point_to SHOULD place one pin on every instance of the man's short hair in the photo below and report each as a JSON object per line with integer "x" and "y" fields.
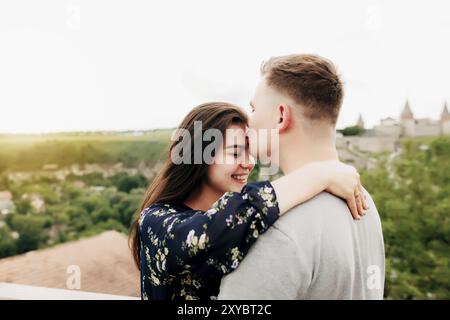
{"x": 310, "y": 80}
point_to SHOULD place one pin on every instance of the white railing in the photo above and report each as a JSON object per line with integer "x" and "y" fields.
{"x": 10, "y": 291}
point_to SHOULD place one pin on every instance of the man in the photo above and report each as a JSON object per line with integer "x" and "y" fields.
{"x": 319, "y": 252}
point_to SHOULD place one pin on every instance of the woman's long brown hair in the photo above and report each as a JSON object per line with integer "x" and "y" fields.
{"x": 176, "y": 182}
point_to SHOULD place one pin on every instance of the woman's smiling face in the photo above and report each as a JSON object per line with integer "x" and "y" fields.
{"x": 232, "y": 162}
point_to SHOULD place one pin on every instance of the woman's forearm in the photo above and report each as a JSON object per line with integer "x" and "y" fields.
{"x": 299, "y": 186}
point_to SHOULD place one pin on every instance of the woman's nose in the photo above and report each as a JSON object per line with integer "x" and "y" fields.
{"x": 248, "y": 163}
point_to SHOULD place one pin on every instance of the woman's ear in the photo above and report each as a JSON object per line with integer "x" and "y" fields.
{"x": 285, "y": 117}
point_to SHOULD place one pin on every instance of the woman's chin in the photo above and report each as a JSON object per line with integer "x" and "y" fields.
{"x": 237, "y": 186}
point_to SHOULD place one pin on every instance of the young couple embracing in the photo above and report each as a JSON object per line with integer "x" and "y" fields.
{"x": 204, "y": 232}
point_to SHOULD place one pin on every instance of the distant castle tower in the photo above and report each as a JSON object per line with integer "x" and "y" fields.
{"x": 445, "y": 120}
{"x": 360, "y": 122}
{"x": 406, "y": 113}
{"x": 445, "y": 114}
{"x": 407, "y": 120}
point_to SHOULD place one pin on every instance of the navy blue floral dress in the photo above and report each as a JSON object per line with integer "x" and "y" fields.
{"x": 186, "y": 252}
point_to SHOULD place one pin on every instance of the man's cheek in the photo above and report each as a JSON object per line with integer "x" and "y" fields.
{"x": 257, "y": 122}
{"x": 251, "y": 122}
{"x": 252, "y": 147}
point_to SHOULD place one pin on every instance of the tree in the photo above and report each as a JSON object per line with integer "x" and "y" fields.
{"x": 4, "y": 181}
{"x": 31, "y": 232}
{"x": 103, "y": 214}
{"x": 7, "y": 242}
{"x": 412, "y": 197}
{"x": 127, "y": 208}
{"x": 126, "y": 183}
{"x": 352, "y": 131}
{"x": 23, "y": 206}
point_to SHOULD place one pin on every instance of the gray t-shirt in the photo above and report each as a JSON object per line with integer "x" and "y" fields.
{"x": 315, "y": 251}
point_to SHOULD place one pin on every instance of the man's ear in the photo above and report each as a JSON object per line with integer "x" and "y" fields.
{"x": 285, "y": 117}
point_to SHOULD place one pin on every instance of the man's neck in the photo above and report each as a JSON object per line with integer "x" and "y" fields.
{"x": 295, "y": 153}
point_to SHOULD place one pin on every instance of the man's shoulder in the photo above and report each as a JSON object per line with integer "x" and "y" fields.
{"x": 324, "y": 214}
{"x": 319, "y": 202}
{"x": 313, "y": 213}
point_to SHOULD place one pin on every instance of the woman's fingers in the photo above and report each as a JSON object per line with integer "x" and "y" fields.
{"x": 359, "y": 203}
{"x": 359, "y": 194}
{"x": 363, "y": 197}
{"x": 351, "y": 202}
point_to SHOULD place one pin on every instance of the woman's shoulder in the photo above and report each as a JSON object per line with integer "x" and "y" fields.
{"x": 161, "y": 214}
{"x": 164, "y": 209}
{"x": 155, "y": 212}
{"x": 159, "y": 209}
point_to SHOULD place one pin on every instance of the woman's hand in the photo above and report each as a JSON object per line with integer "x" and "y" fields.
{"x": 344, "y": 182}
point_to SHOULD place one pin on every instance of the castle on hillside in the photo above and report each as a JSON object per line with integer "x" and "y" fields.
{"x": 386, "y": 136}
{"x": 409, "y": 126}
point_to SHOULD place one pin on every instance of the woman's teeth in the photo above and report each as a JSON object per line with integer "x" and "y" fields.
{"x": 241, "y": 178}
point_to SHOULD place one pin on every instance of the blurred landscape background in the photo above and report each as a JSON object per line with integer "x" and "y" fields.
{"x": 61, "y": 187}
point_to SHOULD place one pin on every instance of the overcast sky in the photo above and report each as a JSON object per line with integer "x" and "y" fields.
{"x": 117, "y": 65}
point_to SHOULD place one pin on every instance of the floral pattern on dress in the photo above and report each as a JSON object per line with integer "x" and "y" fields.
{"x": 184, "y": 253}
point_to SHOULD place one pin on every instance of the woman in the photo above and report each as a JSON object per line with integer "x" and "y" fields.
{"x": 198, "y": 221}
